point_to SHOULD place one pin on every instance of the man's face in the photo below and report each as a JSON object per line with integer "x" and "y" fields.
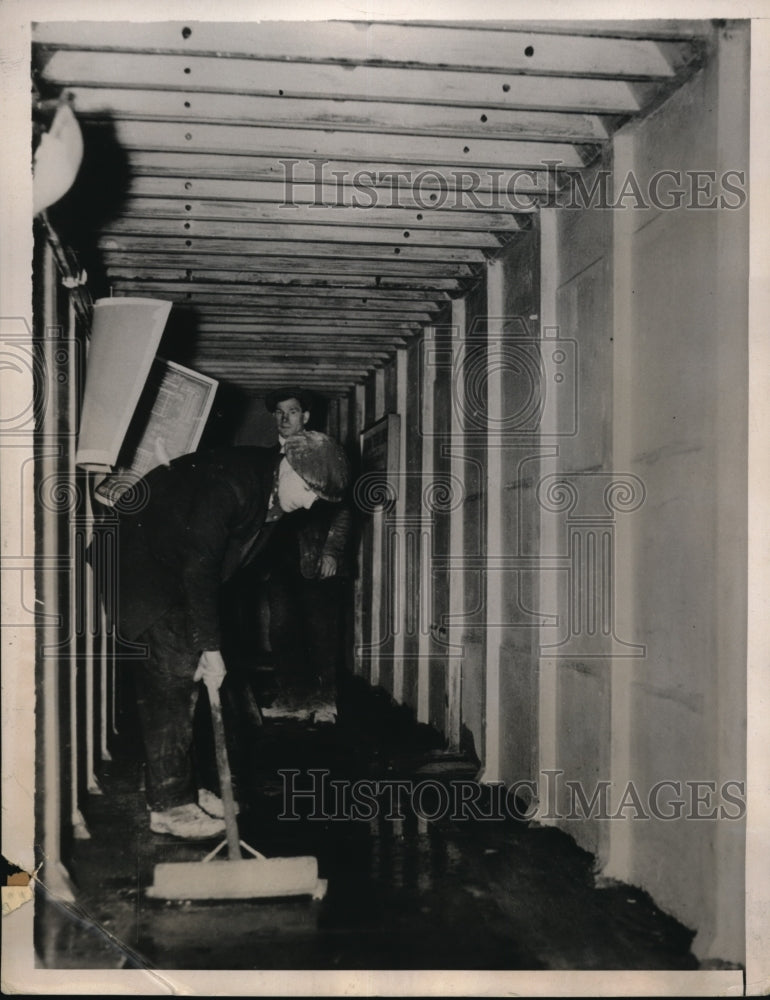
{"x": 290, "y": 417}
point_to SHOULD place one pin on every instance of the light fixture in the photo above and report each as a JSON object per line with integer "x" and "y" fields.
{"x": 57, "y": 159}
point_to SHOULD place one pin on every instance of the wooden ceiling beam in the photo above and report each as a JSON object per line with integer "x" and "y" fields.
{"x": 340, "y": 304}
{"x": 233, "y": 360}
{"x": 268, "y": 379}
{"x": 272, "y": 375}
{"x": 260, "y": 256}
{"x": 406, "y": 311}
{"x": 357, "y": 316}
{"x": 516, "y": 50}
{"x": 232, "y": 357}
{"x": 222, "y": 279}
{"x": 235, "y": 140}
{"x": 258, "y": 387}
{"x": 332, "y": 215}
{"x": 250, "y": 367}
{"x": 293, "y": 351}
{"x": 349, "y": 116}
{"x": 262, "y": 250}
{"x": 354, "y": 361}
{"x": 340, "y": 389}
{"x": 282, "y": 341}
{"x": 168, "y": 229}
{"x": 418, "y": 191}
{"x": 205, "y": 290}
{"x": 442, "y": 86}
{"x": 395, "y": 334}
{"x": 232, "y": 320}
{"x": 663, "y": 29}
{"x": 277, "y": 371}
{"x": 464, "y": 185}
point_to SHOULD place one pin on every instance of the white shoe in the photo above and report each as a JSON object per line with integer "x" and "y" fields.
{"x": 286, "y": 708}
{"x": 324, "y": 714}
{"x": 277, "y": 712}
{"x": 188, "y": 821}
{"x": 212, "y": 804}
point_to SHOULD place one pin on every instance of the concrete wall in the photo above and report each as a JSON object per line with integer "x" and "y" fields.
{"x": 663, "y": 384}
{"x": 632, "y": 494}
{"x": 685, "y": 436}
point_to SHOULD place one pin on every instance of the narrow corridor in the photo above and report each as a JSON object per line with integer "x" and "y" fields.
{"x": 402, "y": 893}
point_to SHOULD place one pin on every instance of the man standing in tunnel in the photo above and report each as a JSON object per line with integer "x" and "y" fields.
{"x": 183, "y": 531}
{"x": 309, "y": 562}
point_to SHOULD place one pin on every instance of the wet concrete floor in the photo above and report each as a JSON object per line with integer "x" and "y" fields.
{"x": 403, "y": 892}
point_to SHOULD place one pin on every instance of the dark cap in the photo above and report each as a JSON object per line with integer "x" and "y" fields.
{"x": 272, "y": 399}
{"x": 320, "y": 461}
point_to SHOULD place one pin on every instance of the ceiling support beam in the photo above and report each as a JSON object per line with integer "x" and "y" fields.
{"x": 283, "y": 247}
{"x": 375, "y": 117}
{"x": 234, "y": 140}
{"x": 365, "y": 214}
{"x": 354, "y": 186}
{"x": 267, "y": 263}
{"x": 342, "y": 284}
{"x": 288, "y": 232}
{"x": 513, "y": 51}
{"x": 203, "y": 292}
{"x": 442, "y": 86}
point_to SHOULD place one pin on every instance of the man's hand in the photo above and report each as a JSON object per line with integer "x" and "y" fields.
{"x": 211, "y": 669}
{"x": 328, "y": 566}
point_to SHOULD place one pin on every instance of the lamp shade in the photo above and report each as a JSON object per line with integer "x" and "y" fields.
{"x": 57, "y": 159}
{"x": 125, "y": 334}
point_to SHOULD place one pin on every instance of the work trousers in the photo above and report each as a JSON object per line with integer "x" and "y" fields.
{"x": 305, "y": 618}
{"x": 166, "y": 699}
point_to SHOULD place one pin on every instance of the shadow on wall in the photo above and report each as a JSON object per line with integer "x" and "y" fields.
{"x": 96, "y": 197}
{"x": 231, "y": 403}
{"x": 226, "y": 418}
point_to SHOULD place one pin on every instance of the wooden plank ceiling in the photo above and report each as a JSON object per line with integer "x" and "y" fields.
{"x": 310, "y": 194}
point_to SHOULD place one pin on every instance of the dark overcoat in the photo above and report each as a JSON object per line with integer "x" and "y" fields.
{"x": 195, "y": 522}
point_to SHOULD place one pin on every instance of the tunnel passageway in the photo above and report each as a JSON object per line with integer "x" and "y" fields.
{"x": 403, "y": 892}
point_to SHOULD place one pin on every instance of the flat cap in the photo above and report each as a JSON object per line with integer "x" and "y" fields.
{"x": 272, "y": 399}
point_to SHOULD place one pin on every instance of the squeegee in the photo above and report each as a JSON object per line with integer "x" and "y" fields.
{"x": 237, "y": 877}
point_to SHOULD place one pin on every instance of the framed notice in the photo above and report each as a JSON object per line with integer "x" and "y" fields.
{"x": 168, "y": 422}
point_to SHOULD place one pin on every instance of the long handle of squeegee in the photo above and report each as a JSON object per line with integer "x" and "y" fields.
{"x": 225, "y": 776}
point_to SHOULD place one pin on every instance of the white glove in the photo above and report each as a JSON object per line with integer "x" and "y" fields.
{"x": 211, "y": 669}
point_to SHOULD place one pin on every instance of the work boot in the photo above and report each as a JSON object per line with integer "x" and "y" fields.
{"x": 188, "y": 821}
{"x": 212, "y": 804}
